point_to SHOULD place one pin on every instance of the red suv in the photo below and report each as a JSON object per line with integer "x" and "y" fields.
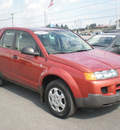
{"x": 66, "y": 71}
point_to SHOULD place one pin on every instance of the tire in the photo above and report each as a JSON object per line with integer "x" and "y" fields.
{"x": 59, "y": 99}
{"x": 1, "y": 82}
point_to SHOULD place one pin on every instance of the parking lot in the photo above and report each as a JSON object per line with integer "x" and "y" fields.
{"x": 86, "y": 37}
{"x": 20, "y": 109}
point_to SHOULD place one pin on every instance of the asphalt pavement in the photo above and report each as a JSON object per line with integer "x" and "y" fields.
{"x": 21, "y": 109}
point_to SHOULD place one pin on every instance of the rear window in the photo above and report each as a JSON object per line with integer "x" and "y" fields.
{"x": 102, "y": 40}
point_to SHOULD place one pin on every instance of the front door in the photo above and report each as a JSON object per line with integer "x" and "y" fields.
{"x": 26, "y": 68}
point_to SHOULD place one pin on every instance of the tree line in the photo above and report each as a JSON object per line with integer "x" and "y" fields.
{"x": 58, "y": 26}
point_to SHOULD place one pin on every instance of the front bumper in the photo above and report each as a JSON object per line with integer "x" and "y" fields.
{"x": 97, "y": 101}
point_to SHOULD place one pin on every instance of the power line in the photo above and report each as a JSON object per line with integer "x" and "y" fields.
{"x": 81, "y": 14}
{"x": 90, "y": 19}
{"x": 66, "y": 11}
{"x": 65, "y": 18}
{"x": 78, "y": 15}
{"x": 5, "y": 19}
{"x": 68, "y": 17}
{"x": 31, "y": 23}
{"x": 81, "y": 7}
{"x": 74, "y": 20}
{"x": 71, "y": 9}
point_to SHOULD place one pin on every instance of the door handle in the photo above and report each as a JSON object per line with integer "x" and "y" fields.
{"x": 14, "y": 57}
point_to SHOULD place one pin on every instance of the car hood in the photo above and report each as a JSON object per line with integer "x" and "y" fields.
{"x": 89, "y": 61}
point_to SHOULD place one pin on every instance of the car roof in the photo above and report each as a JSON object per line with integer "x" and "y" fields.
{"x": 33, "y": 29}
{"x": 43, "y": 29}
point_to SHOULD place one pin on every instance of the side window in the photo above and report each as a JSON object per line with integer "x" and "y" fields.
{"x": 117, "y": 42}
{"x": 24, "y": 39}
{"x": 0, "y": 41}
{"x": 7, "y": 39}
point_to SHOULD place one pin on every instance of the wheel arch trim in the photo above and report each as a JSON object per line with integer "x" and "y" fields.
{"x": 65, "y": 76}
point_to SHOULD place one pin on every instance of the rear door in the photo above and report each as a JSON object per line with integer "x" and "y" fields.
{"x": 26, "y": 68}
{"x": 6, "y": 46}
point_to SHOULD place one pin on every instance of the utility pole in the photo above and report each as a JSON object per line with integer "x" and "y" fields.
{"x": 45, "y": 18}
{"x": 12, "y": 19}
{"x": 117, "y": 15}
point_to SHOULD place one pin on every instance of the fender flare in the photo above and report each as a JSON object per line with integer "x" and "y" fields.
{"x": 65, "y": 76}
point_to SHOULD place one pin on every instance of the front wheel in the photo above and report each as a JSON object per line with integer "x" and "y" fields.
{"x": 59, "y": 99}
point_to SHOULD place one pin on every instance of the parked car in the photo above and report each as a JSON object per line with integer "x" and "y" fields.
{"x": 107, "y": 41}
{"x": 66, "y": 71}
{"x": 114, "y": 31}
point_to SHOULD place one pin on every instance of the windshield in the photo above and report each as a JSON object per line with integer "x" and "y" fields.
{"x": 61, "y": 41}
{"x": 101, "y": 40}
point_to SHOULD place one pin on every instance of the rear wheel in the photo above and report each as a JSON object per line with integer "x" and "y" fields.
{"x": 59, "y": 99}
{"x": 1, "y": 82}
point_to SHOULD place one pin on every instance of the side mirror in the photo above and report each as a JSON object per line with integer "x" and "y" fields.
{"x": 29, "y": 51}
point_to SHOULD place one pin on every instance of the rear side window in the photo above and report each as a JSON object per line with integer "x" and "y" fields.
{"x": 7, "y": 39}
{"x": 0, "y": 42}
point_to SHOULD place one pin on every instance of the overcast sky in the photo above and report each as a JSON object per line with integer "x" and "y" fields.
{"x": 74, "y": 13}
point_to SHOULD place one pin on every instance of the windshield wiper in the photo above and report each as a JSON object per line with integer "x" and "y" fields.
{"x": 60, "y": 52}
{"x": 70, "y": 52}
{"x": 98, "y": 45}
{"x": 81, "y": 50}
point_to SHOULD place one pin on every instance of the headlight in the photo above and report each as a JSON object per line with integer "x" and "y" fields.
{"x": 101, "y": 75}
{"x": 106, "y": 74}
